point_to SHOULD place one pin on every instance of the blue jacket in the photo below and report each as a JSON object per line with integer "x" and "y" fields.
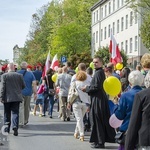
{"x": 123, "y": 110}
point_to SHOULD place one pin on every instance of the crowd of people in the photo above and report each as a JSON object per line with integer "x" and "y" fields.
{"x": 92, "y": 107}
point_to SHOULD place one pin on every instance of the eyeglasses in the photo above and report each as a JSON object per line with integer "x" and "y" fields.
{"x": 95, "y": 62}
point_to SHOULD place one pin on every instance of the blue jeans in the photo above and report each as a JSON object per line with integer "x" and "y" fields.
{"x": 51, "y": 104}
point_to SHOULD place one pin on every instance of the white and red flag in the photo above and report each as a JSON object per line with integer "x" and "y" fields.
{"x": 47, "y": 65}
{"x": 114, "y": 51}
{"x": 55, "y": 63}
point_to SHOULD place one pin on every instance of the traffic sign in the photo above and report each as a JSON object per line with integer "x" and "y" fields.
{"x": 63, "y": 59}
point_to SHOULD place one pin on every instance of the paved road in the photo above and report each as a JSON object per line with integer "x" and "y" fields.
{"x": 43, "y": 133}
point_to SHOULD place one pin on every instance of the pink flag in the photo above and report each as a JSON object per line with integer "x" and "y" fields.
{"x": 114, "y": 51}
{"x": 55, "y": 62}
{"x": 47, "y": 65}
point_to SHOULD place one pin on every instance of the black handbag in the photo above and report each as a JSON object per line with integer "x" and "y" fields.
{"x": 51, "y": 92}
{"x": 120, "y": 137}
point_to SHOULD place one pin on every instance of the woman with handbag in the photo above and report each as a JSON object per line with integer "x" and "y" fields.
{"x": 49, "y": 92}
{"x": 124, "y": 108}
{"x": 80, "y": 104}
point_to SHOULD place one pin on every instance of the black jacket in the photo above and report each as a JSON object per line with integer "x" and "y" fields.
{"x": 139, "y": 126}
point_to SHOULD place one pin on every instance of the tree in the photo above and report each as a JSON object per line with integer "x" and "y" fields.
{"x": 104, "y": 53}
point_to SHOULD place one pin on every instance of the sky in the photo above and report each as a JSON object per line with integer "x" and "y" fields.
{"x": 15, "y": 20}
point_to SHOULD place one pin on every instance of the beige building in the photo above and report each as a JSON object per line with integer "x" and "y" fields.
{"x": 16, "y": 53}
{"x": 115, "y": 16}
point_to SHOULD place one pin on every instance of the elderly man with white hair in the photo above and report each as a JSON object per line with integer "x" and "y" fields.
{"x": 29, "y": 89}
{"x": 124, "y": 108}
{"x": 12, "y": 84}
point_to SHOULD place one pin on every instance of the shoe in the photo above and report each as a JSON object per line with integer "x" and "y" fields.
{"x": 43, "y": 115}
{"x": 68, "y": 118}
{"x": 26, "y": 123}
{"x": 34, "y": 114}
{"x": 7, "y": 129}
{"x": 76, "y": 135}
{"x": 50, "y": 116}
{"x": 81, "y": 138}
{"x": 40, "y": 115}
{"x": 96, "y": 145}
{"x": 15, "y": 131}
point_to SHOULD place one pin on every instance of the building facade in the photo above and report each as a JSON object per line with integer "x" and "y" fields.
{"x": 115, "y": 17}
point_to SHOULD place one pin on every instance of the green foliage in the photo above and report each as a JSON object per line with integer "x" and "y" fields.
{"x": 104, "y": 53}
{"x": 62, "y": 28}
{"x": 82, "y": 57}
{"x": 143, "y": 8}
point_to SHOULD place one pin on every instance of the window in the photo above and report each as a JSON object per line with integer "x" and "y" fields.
{"x": 96, "y": 36}
{"x": 105, "y": 10}
{"x": 122, "y": 46}
{"x": 113, "y": 28}
{"x": 136, "y": 17}
{"x": 109, "y": 30}
{"x": 97, "y": 15}
{"x": 122, "y": 24}
{"x": 130, "y": 45}
{"x": 126, "y": 21}
{"x": 101, "y": 34}
{"x": 122, "y": 2}
{"x": 94, "y": 17}
{"x": 136, "y": 43}
{"x": 131, "y": 18}
{"x": 102, "y": 13}
{"x": 117, "y": 26}
{"x": 109, "y": 7}
{"x": 114, "y": 5}
{"x": 126, "y": 47}
{"x": 105, "y": 33}
{"x": 118, "y": 4}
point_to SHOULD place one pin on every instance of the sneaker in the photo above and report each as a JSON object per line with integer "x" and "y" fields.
{"x": 34, "y": 114}
{"x": 40, "y": 115}
{"x": 50, "y": 116}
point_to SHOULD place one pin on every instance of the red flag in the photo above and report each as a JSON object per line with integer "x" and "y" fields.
{"x": 55, "y": 62}
{"x": 114, "y": 51}
{"x": 47, "y": 65}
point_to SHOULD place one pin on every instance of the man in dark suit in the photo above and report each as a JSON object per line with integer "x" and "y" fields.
{"x": 12, "y": 84}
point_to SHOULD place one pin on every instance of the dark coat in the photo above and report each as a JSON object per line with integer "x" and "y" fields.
{"x": 139, "y": 126}
{"x": 99, "y": 114}
{"x": 12, "y": 84}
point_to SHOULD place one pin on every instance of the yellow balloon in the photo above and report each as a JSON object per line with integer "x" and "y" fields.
{"x": 112, "y": 86}
{"x": 119, "y": 66}
{"x": 76, "y": 70}
{"x": 54, "y": 77}
{"x": 92, "y": 65}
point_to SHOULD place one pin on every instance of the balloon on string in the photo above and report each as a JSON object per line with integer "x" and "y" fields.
{"x": 76, "y": 70}
{"x": 92, "y": 65}
{"x": 114, "y": 121}
{"x": 112, "y": 86}
{"x": 119, "y": 66}
{"x": 54, "y": 77}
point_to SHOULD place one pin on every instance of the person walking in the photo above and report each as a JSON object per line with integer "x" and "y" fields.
{"x": 30, "y": 88}
{"x": 63, "y": 82}
{"x": 101, "y": 131}
{"x": 12, "y": 84}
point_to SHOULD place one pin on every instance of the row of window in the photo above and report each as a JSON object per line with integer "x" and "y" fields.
{"x": 124, "y": 25}
{"x": 108, "y": 9}
{"x": 128, "y": 48}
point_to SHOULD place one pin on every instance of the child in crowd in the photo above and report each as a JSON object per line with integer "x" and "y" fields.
{"x": 40, "y": 99}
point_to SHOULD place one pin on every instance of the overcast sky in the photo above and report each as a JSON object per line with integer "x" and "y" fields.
{"x": 15, "y": 20}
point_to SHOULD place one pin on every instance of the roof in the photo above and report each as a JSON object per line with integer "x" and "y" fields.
{"x": 99, "y": 3}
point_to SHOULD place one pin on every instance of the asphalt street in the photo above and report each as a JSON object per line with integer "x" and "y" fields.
{"x": 44, "y": 133}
